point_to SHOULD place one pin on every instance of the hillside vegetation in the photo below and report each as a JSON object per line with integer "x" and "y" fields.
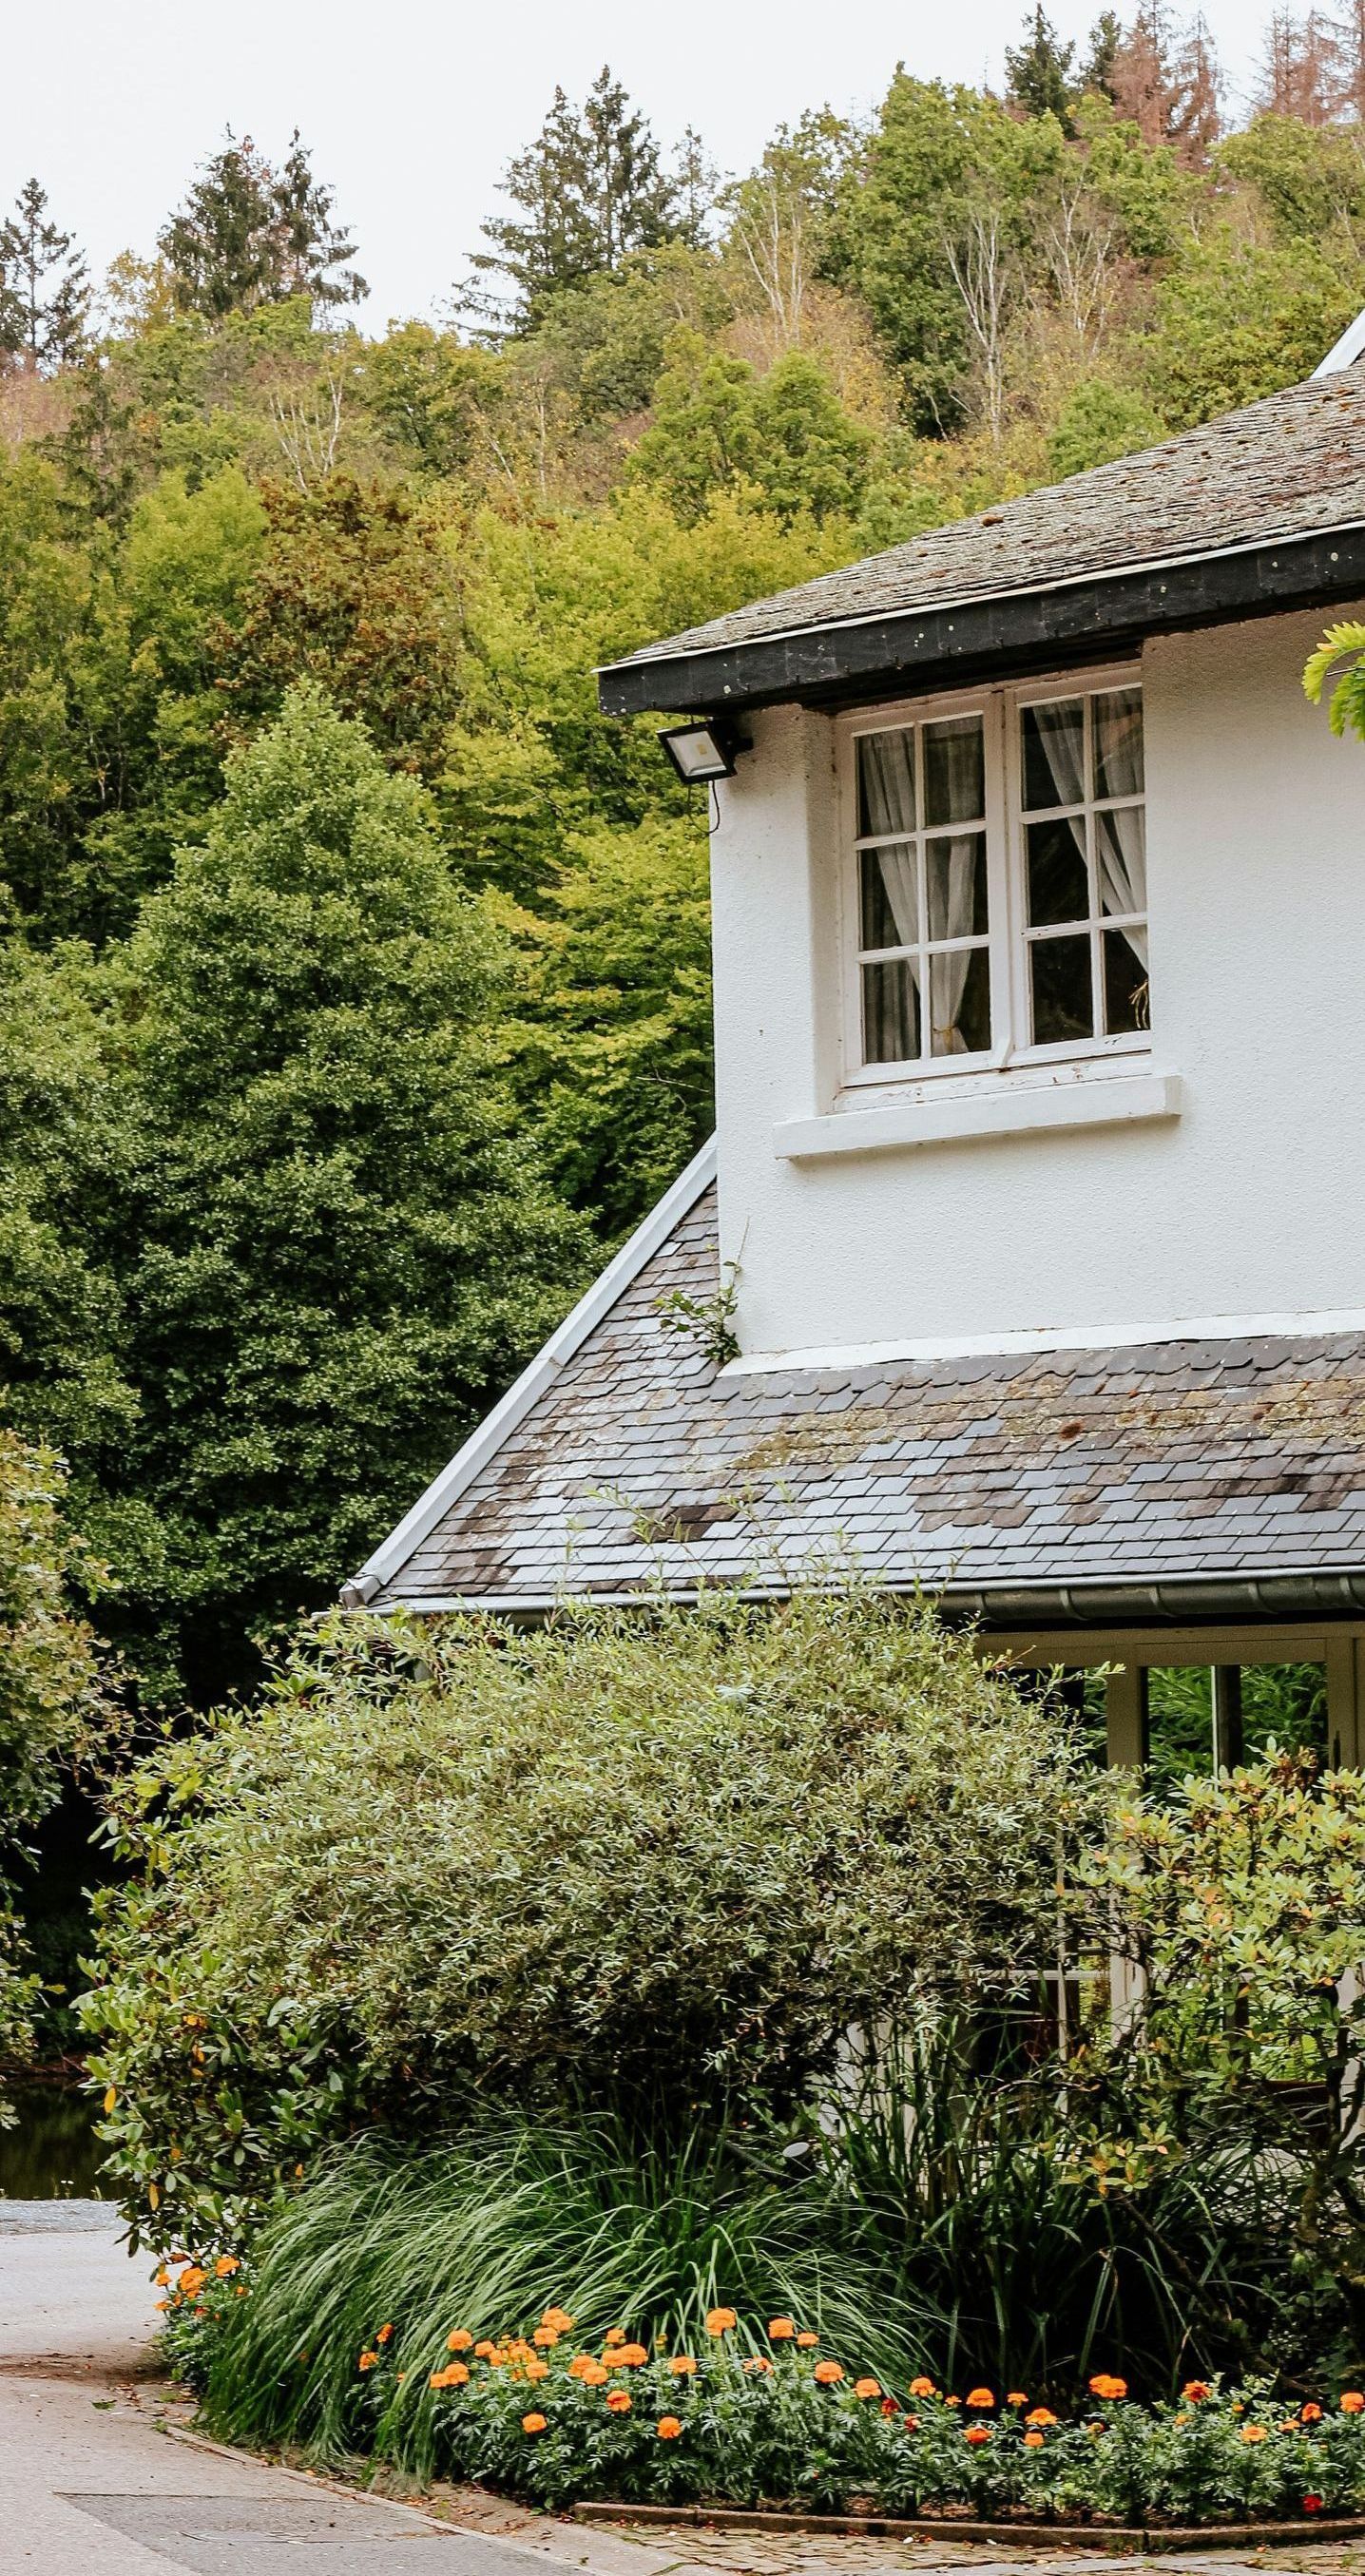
{"x": 353, "y": 971}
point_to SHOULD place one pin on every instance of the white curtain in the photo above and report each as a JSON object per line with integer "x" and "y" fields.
{"x": 886, "y": 770}
{"x": 900, "y": 876}
{"x": 1061, "y": 740}
{"x": 1121, "y": 856}
{"x": 952, "y": 867}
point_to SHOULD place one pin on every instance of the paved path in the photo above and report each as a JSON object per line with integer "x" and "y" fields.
{"x": 99, "y": 2477}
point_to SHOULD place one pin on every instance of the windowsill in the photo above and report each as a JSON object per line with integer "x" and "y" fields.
{"x": 1022, "y": 1102}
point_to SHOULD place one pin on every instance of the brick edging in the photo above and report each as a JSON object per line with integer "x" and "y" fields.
{"x": 1020, "y": 2535}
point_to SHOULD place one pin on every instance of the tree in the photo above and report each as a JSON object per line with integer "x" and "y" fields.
{"x": 1298, "y": 69}
{"x": 778, "y": 216}
{"x": 1097, "y": 71}
{"x": 53, "y": 1704}
{"x": 248, "y": 234}
{"x": 1340, "y": 658}
{"x": 44, "y": 288}
{"x": 1167, "y": 81}
{"x": 343, "y": 1246}
{"x": 1038, "y": 70}
{"x": 589, "y": 189}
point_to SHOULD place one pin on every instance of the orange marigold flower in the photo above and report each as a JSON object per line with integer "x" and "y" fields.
{"x": 1351, "y": 2402}
{"x": 1195, "y": 2391}
{"x": 669, "y": 2428}
{"x": 385, "y": 2335}
{"x": 537, "y": 2370}
{"x": 456, "y": 2375}
{"x": 720, "y": 2321}
{"x": 807, "y": 2342}
{"x": 980, "y": 2397}
{"x": 461, "y": 2340}
{"x": 1033, "y": 2441}
{"x": 867, "y": 2388}
{"x": 1017, "y": 2397}
{"x": 1311, "y": 2414}
{"x": 546, "y": 2337}
{"x": 595, "y": 2375}
{"x": 1253, "y": 2432}
{"x": 781, "y": 2329}
{"x": 615, "y": 2334}
{"x": 1040, "y": 2415}
{"x": 559, "y": 2318}
{"x": 482, "y": 2351}
{"x": 629, "y": 2355}
{"x": 618, "y": 2400}
{"x": 976, "y": 2433}
{"x": 890, "y": 2407}
{"x": 923, "y": 2388}
{"x": 1107, "y": 2386}
{"x": 682, "y": 2365}
{"x": 226, "y": 2265}
{"x": 829, "y": 2373}
{"x": 533, "y": 2423}
{"x": 191, "y": 2279}
{"x": 581, "y": 2361}
{"x": 367, "y": 2361}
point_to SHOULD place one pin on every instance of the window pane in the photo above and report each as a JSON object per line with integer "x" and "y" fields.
{"x": 886, "y": 783}
{"x": 1060, "y": 974}
{"x": 1058, "y": 886}
{"x": 1054, "y": 753}
{"x": 954, "y": 771}
{"x": 889, "y": 905}
{"x": 1118, "y": 743}
{"x": 960, "y": 1002}
{"x": 1126, "y": 996}
{"x": 956, "y": 881}
{"x": 1179, "y": 1726}
{"x": 1285, "y": 1704}
{"x": 890, "y": 1014}
{"x": 1121, "y": 859}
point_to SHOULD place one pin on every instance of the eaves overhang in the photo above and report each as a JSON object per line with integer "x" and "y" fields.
{"x": 864, "y": 658}
{"x": 1272, "y": 1599}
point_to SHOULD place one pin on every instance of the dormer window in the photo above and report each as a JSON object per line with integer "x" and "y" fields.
{"x": 1000, "y": 885}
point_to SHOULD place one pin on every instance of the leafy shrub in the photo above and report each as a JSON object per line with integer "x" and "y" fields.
{"x": 653, "y": 1856}
{"x": 770, "y": 2414}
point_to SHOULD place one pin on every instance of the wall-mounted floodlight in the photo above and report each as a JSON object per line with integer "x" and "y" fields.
{"x": 700, "y": 752}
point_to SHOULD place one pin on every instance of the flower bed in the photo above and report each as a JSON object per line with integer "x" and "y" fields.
{"x": 769, "y": 2417}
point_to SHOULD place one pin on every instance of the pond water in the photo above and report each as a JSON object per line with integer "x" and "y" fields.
{"x": 52, "y": 2153}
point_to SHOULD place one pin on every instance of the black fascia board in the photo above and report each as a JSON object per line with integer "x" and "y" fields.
{"x": 932, "y": 646}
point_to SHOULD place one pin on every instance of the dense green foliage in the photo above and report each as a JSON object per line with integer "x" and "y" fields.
{"x": 682, "y": 395}
{"x": 53, "y": 1705}
{"x": 612, "y": 1859}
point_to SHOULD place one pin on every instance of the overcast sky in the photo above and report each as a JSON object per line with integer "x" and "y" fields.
{"x": 411, "y": 108}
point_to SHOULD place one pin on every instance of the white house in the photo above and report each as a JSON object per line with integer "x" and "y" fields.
{"x": 1039, "y": 906}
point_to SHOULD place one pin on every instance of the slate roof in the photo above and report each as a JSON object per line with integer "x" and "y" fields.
{"x": 1186, "y": 1467}
{"x": 1287, "y": 466}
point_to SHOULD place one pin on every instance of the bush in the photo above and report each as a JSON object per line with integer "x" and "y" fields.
{"x": 652, "y": 1856}
{"x": 770, "y": 2414}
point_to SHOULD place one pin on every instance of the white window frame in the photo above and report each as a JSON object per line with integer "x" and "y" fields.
{"x": 999, "y": 706}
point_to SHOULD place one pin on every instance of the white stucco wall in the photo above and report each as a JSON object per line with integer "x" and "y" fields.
{"x": 1248, "y": 1206}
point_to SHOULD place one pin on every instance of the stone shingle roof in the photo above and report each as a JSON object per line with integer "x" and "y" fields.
{"x": 1289, "y": 466}
{"x": 1186, "y": 1463}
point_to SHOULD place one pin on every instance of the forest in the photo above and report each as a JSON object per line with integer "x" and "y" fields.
{"x": 353, "y": 970}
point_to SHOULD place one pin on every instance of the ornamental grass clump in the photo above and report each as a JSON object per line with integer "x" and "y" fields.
{"x": 755, "y": 2416}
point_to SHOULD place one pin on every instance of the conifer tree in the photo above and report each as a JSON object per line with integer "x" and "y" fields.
{"x": 44, "y": 287}
{"x": 248, "y": 235}
{"x": 1166, "y": 79}
{"x": 589, "y": 189}
{"x": 1298, "y": 74}
{"x": 1039, "y": 70}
